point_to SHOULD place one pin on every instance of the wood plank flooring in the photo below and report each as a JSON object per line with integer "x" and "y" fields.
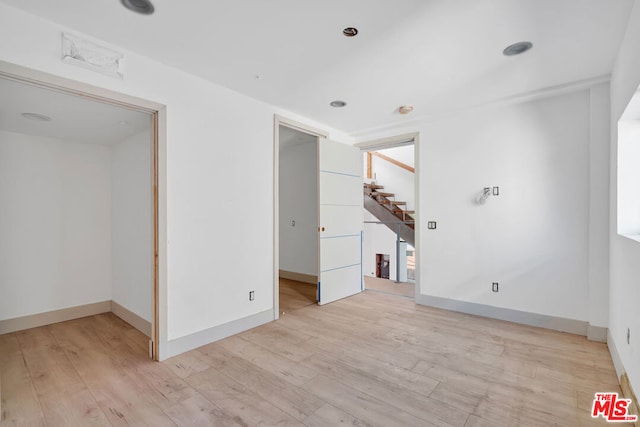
{"x": 390, "y": 287}
{"x": 295, "y": 295}
{"x": 368, "y": 360}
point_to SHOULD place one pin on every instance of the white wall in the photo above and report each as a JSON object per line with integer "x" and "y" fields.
{"x": 533, "y": 239}
{"x": 219, "y": 175}
{"x": 599, "y": 141}
{"x": 625, "y": 253}
{"x": 132, "y": 224}
{"x": 299, "y": 203}
{"x": 55, "y": 250}
{"x": 544, "y": 237}
{"x": 404, "y": 154}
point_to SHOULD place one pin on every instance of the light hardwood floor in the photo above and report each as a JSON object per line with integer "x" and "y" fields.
{"x": 372, "y": 359}
{"x": 295, "y": 295}
{"x": 390, "y": 287}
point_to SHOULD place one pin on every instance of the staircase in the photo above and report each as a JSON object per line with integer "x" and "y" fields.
{"x": 383, "y": 206}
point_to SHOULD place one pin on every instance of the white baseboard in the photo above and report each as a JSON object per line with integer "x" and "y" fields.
{"x": 597, "y": 333}
{"x": 299, "y": 277}
{"x": 615, "y": 356}
{"x": 131, "y": 318}
{"x": 71, "y": 313}
{"x": 55, "y": 316}
{"x": 572, "y": 326}
{"x": 623, "y": 379}
{"x": 198, "y": 339}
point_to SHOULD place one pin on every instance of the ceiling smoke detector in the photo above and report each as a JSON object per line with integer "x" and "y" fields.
{"x": 338, "y": 104}
{"x": 405, "y": 109}
{"x": 36, "y": 117}
{"x": 350, "y": 32}
{"x": 517, "y": 48}
{"x": 145, "y": 7}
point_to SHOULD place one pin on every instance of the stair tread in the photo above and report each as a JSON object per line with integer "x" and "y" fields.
{"x": 403, "y": 211}
{"x": 378, "y": 193}
{"x": 373, "y": 186}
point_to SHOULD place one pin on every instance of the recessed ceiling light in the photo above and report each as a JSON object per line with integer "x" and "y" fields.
{"x": 405, "y": 109}
{"x": 144, "y": 7}
{"x": 36, "y": 117}
{"x": 350, "y": 32}
{"x": 338, "y": 104}
{"x": 517, "y": 48}
{"x": 123, "y": 122}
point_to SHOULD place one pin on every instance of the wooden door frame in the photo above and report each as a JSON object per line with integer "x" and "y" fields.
{"x": 279, "y": 120}
{"x": 395, "y": 141}
{"x": 158, "y": 113}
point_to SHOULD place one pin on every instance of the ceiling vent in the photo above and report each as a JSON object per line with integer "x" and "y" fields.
{"x": 89, "y": 55}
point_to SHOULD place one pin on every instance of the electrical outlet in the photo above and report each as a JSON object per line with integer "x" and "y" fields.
{"x": 628, "y": 335}
{"x": 293, "y": 222}
{"x": 431, "y": 225}
{"x": 252, "y": 295}
{"x": 494, "y": 286}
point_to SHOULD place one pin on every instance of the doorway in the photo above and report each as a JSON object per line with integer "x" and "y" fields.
{"x": 82, "y": 181}
{"x": 336, "y": 223}
{"x": 382, "y": 266}
{"x": 391, "y": 215}
{"x": 298, "y": 219}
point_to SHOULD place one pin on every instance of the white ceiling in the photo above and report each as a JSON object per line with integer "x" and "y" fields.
{"x": 74, "y": 118}
{"x": 439, "y": 55}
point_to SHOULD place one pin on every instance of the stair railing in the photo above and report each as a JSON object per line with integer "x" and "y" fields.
{"x": 388, "y": 159}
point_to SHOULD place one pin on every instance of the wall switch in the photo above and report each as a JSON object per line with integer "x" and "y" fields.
{"x": 252, "y": 295}
{"x": 494, "y": 286}
{"x": 628, "y": 335}
{"x": 293, "y": 222}
{"x": 431, "y": 225}
{"x": 496, "y": 191}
